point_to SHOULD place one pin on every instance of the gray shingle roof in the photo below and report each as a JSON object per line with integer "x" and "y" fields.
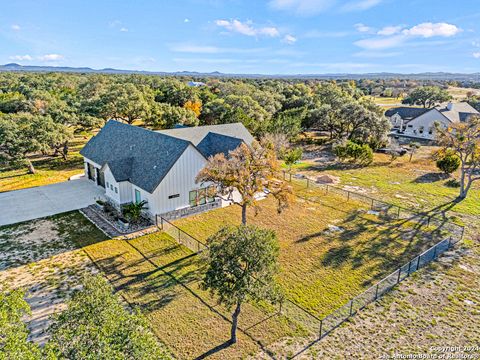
{"x": 458, "y": 112}
{"x": 406, "y": 113}
{"x": 196, "y": 134}
{"x": 214, "y": 143}
{"x": 140, "y": 156}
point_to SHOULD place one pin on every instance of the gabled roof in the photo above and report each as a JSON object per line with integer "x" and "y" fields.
{"x": 196, "y": 134}
{"x": 214, "y": 144}
{"x": 143, "y": 157}
{"x": 140, "y": 156}
{"x": 457, "y": 112}
{"x": 405, "y": 112}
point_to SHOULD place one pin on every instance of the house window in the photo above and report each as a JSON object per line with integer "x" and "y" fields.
{"x": 107, "y": 184}
{"x": 111, "y": 187}
{"x": 138, "y": 197}
{"x": 430, "y": 131}
{"x": 202, "y": 196}
{"x": 210, "y": 194}
{"x": 192, "y": 198}
{"x": 174, "y": 196}
{"x": 409, "y": 126}
{"x": 116, "y": 190}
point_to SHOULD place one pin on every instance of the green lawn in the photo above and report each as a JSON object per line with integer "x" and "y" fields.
{"x": 49, "y": 169}
{"x": 162, "y": 277}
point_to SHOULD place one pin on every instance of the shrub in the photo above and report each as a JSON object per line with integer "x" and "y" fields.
{"x": 133, "y": 211}
{"x": 290, "y": 157}
{"x": 96, "y": 325}
{"x": 448, "y": 163}
{"x": 353, "y": 152}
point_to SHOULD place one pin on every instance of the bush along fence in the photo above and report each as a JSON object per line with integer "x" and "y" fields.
{"x": 321, "y": 327}
{"x": 383, "y": 208}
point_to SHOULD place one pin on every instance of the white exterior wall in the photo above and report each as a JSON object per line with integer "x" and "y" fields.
{"x": 427, "y": 121}
{"x": 125, "y": 189}
{"x": 179, "y": 180}
{"x": 111, "y": 185}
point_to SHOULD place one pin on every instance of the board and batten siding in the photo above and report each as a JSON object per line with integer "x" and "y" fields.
{"x": 427, "y": 121}
{"x": 179, "y": 180}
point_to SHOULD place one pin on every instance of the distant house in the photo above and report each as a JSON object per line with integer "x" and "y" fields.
{"x": 419, "y": 123}
{"x": 134, "y": 164}
{"x": 196, "y": 83}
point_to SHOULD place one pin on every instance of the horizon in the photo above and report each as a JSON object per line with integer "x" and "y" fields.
{"x": 271, "y": 38}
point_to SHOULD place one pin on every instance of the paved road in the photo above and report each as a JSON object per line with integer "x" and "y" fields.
{"x": 41, "y": 201}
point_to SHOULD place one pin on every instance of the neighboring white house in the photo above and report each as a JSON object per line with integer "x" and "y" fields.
{"x": 419, "y": 123}
{"x": 134, "y": 164}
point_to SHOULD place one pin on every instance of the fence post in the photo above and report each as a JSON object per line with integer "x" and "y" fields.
{"x": 434, "y": 252}
{"x": 348, "y": 195}
{"x": 326, "y": 189}
{"x": 290, "y": 177}
{"x": 399, "y": 272}
{"x": 320, "y": 333}
{"x": 351, "y": 306}
{"x": 449, "y": 242}
{"x": 371, "y": 206}
{"x": 376, "y": 292}
{"x": 179, "y": 236}
{"x": 418, "y": 262}
{"x": 463, "y": 232}
{"x": 398, "y": 213}
{"x": 308, "y": 182}
{"x": 281, "y": 307}
{"x": 409, "y": 265}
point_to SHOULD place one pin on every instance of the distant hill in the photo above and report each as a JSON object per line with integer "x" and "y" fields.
{"x": 474, "y": 77}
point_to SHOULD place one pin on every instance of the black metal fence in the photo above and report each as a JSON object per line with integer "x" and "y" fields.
{"x": 385, "y": 209}
{"x": 180, "y": 236}
{"x": 339, "y": 316}
{"x": 320, "y": 327}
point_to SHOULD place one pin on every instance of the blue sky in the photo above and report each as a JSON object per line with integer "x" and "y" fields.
{"x": 234, "y": 36}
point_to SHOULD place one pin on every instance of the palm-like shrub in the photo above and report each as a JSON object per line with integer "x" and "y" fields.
{"x": 133, "y": 211}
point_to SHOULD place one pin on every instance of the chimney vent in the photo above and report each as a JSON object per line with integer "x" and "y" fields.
{"x": 449, "y": 106}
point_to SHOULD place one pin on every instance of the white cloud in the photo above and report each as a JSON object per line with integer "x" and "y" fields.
{"x": 186, "y": 20}
{"x": 21, "y": 57}
{"x": 360, "y": 5}
{"x": 362, "y": 28}
{"x": 123, "y": 29}
{"x": 391, "y": 36}
{"x": 302, "y": 7}
{"x": 289, "y": 39}
{"x": 429, "y": 29}
{"x": 247, "y": 28}
{"x": 390, "y": 30}
{"x": 381, "y": 42}
{"x": 476, "y": 55}
{"x": 51, "y": 57}
{"x": 15, "y": 27}
{"x": 476, "y": 43}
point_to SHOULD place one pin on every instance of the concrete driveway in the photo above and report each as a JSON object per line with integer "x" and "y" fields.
{"x": 28, "y": 204}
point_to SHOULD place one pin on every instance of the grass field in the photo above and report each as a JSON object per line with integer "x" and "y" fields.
{"x": 49, "y": 170}
{"x": 330, "y": 251}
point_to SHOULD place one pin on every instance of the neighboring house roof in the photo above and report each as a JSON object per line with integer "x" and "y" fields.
{"x": 196, "y": 134}
{"x": 406, "y": 113}
{"x": 213, "y": 144}
{"x": 140, "y": 156}
{"x": 457, "y": 112}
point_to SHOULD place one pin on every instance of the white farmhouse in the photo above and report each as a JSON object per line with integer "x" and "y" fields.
{"x": 134, "y": 164}
{"x": 419, "y": 123}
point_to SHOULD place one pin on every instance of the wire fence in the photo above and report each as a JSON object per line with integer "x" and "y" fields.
{"x": 320, "y": 327}
{"x": 385, "y": 209}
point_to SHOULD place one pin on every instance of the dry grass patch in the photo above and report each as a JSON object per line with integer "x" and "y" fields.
{"x": 42, "y": 258}
{"x": 330, "y": 251}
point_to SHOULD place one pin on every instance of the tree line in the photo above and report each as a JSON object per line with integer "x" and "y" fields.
{"x": 41, "y": 113}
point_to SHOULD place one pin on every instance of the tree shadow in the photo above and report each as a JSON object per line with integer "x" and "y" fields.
{"x": 430, "y": 178}
{"x": 214, "y": 350}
